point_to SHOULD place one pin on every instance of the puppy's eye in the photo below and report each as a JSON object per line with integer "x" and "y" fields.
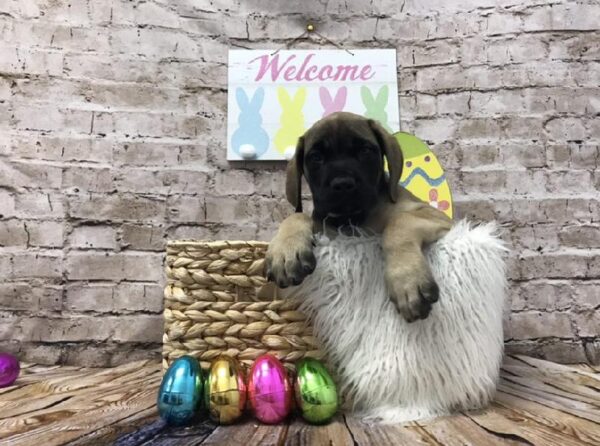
{"x": 365, "y": 150}
{"x": 316, "y": 157}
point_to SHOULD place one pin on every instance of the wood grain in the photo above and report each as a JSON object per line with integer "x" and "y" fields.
{"x": 572, "y": 381}
{"x": 336, "y": 433}
{"x": 110, "y": 433}
{"x": 564, "y": 404}
{"x": 191, "y": 435}
{"x": 61, "y": 409}
{"x": 538, "y": 403}
{"x": 581, "y": 429}
{"x": 35, "y": 373}
{"x": 72, "y": 394}
{"x": 459, "y": 430}
{"x": 59, "y": 429}
{"x": 409, "y": 434}
{"x": 246, "y": 432}
{"x": 510, "y": 424}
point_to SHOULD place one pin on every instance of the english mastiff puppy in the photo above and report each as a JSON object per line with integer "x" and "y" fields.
{"x": 342, "y": 158}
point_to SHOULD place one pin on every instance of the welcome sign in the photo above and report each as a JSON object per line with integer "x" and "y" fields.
{"x": 275, "y": 96}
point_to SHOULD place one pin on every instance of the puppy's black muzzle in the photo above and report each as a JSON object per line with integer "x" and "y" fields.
{"x": 343, "y": 185}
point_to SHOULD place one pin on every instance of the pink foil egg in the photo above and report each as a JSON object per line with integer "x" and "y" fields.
{"x": 9, "y": 369}
{"x": 269, "y": 390}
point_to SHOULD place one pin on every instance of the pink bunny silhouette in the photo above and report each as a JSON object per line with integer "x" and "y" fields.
{"x": 332, "y": 105}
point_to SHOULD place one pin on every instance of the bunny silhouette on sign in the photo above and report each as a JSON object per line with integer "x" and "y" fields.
{"x": 292, "y": 121}
{"x": 250, "y": 140}
{"x": 375, "y": 107}
{"x": 332, "y": 105}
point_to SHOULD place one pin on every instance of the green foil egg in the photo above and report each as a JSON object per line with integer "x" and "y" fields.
{"x": 316, "y": 393}
{"x": 180, "y": 392}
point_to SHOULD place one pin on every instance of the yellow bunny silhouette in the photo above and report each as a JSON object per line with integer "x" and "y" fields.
{"x": 292, "y": 120}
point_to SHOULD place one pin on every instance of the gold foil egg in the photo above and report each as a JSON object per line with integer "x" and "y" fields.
{"x": 225, "y": 390}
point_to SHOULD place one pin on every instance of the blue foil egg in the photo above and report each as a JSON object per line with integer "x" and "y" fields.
{"x": 180, "y": 391}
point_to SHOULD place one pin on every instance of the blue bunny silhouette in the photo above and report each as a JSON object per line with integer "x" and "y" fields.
{"x": 250, "y": 129}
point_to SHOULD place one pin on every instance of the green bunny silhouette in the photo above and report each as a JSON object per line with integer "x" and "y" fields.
{"x": 375, "y": 107}
{"x": 292, "y": 119}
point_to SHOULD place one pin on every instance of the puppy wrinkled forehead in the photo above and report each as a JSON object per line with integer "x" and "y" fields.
{"x": 334, "y": 130}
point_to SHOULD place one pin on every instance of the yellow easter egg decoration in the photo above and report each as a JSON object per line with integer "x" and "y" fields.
{"x": 423, "y": 175}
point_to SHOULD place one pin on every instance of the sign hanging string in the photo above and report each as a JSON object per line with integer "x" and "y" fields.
{"x": 310, "y": 29}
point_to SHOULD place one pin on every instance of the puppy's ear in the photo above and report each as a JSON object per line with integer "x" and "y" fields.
{"x": 393, "y": 155}
{"x": 293, "y": 181}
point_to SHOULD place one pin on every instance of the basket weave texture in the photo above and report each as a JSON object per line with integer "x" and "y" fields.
{"x": 217, "y": 301}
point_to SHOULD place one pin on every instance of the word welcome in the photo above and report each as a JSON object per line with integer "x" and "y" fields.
{"x": 308, "y": 70}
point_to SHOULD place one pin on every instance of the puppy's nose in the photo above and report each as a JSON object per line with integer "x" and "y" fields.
{"x": 343, "y": 184}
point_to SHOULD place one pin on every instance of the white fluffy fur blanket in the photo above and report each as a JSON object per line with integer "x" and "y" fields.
{"x": 392, "y": 371}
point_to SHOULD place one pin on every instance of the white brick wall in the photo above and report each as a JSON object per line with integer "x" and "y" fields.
{"x": 112, "y": 140}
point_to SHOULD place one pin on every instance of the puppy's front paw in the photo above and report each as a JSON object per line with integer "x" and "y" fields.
{"x": 412, "y": 290}
{"x": 290, "y": 259}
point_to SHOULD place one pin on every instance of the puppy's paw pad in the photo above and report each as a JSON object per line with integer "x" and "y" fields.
{"x": 413, "y": 300}
{"x": 290, "y": 260}
{"x": 429, "y": 291}
{"x": 308, "y": 261}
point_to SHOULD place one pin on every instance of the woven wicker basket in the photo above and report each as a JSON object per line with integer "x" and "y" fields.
{"x": 218, "y": 301}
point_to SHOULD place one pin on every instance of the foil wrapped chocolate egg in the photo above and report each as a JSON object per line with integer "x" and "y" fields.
{"x": 316, "y": 393}
{"x": 180, "y": 392}
{"x": 269, "y": 390}
{"x": 225, "y": 390}
{"x": 9, "y": 369}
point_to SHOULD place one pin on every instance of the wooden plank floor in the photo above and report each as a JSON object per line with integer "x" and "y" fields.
{"x": 538, "y": 403}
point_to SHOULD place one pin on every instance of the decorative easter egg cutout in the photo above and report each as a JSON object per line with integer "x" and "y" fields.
{"x": 422, "y": 173}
